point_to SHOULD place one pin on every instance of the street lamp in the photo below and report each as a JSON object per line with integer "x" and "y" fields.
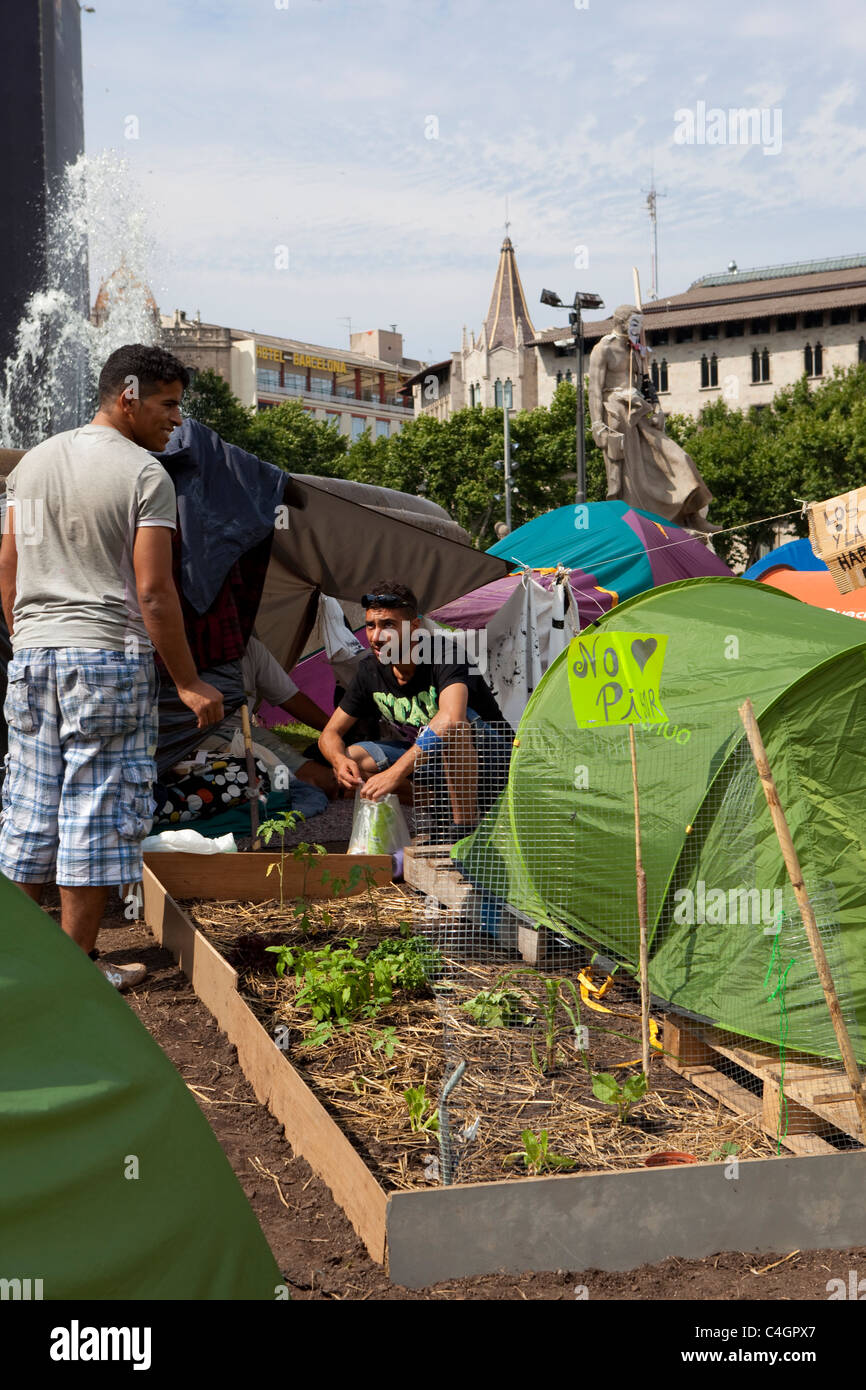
{"x": 581, "y": 301}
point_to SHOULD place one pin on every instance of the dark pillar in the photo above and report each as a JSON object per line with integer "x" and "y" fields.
{"x": 41, "y": 131}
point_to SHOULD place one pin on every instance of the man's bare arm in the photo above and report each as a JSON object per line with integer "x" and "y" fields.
{"x": 161, "y": 612}
{"x": 8, "y": 570}
{"x": 332, "y": 744}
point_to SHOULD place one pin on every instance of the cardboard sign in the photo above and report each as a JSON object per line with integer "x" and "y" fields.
{"x": 837, "y": 531}
{"x": 615, "y": 678}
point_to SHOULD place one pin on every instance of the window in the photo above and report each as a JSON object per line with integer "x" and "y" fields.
{"x": 684, "y": 335}
{"x": 760, "y": 366}
{"x": 383, "y": 429}
{"x": 658, "y": 338}
{"x": 508, "y": 393}
{"x": 813, "y": 360}
{"x": 861, "y": 314}
{"x": 295, "y": 382}
{"x": 359, "y": 424}
{"x": 659, "y": 374}
{"x": 785, "y": 323}
{"x": 320, "y": 385}
{"x": 332, "y": 417}
{"x": 267, "y": 379}
{"x": 840, "y": 315}
{"x": 735, "y": 330}
{"x": 760, "y": 326}
{"x": 710, "y": 332}
{"x": 861, "y": 350}
{"x": 497, "y": 393}
{"x": 472, "y": 401}
{"x": 709, "y": 371}
{"x": 814, "y": 318}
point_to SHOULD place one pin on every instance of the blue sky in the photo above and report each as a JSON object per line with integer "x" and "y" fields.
{"x": 306, "y": 126}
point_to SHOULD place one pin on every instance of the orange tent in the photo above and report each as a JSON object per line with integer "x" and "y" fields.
{"x": 818, "y": 588}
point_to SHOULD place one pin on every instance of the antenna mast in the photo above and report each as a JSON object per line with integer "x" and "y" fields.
{"x": 651, "y": 203}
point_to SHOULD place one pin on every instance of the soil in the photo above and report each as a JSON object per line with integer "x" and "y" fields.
{"x": 312, "y": 1240}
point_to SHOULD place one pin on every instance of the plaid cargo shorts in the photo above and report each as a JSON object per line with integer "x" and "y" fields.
{"x": 77, "y": 795}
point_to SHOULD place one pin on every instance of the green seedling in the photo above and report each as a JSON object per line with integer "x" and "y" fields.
{"x": 726, "y": 1150}
{"x": 339, "y": 985}
{"x": 536, "y": 1155}
{"x": 422, "y": 1113}
{"x": 384, "y": 1041}
{"x": 555, "y": 991}
{"x": 496, "y": 1008}
{"x": 279, "y": 825}
{"x": 606, "y": 1087}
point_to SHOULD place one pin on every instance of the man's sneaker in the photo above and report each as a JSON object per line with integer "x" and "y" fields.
{"x": 123, "y": 977}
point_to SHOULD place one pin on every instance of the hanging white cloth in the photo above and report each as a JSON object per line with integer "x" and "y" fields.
{"x": 517, "y": 643}
{"x": 342, "y": 647}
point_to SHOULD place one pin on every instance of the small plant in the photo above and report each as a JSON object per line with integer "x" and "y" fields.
{"x": 606, "y": 1087}
{"x": 338, "y": 985}
{"x": 536, "y": 1154}
{"x": 422, "y": 1112}
{"x": 411, "y": 961}
{"x": 726, "y": 1150}
{"x": 554, "y": 999}
{"x": 496, "y": 1008}
{"x": 279, "y": 825}
{"x": 339, "y": 886}
{"x": 384, "y": 1041}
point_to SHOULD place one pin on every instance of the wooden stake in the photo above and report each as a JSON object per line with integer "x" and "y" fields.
{"x": 813, "y": 936}
{"x": 252, "y": 775}
{"x": 641, "y": 913}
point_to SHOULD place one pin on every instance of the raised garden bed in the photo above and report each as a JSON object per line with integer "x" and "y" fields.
{"x": 342, "y": 1103}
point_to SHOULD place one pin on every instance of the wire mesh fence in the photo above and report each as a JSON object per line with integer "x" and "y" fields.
{"x": 524, "y": 862}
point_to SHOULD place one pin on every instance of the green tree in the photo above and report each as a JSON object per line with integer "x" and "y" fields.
{"x": 288, "y": 436}
{"x": 210, "y": 400}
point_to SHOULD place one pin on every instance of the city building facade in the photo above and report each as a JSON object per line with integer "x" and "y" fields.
{"x": 354, "y": 390}
{"x": 745, "y": 334}
{"x": 741, "y": 336}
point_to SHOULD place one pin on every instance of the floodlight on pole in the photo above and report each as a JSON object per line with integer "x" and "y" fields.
{"x": 582, "y": 300}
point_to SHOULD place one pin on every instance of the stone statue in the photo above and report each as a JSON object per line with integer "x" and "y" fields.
{"x": 644, "y": 467}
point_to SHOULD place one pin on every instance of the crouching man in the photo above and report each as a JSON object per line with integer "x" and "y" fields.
{"x": 86, "y": 595}
{"x": 410, "y": 696}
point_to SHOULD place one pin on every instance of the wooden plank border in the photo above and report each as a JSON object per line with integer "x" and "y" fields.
{"x": 244, "y": 876}
{"x": 309, "y": 1128}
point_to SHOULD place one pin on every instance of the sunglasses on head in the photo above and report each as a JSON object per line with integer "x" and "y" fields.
{"x": 382, "y": 601}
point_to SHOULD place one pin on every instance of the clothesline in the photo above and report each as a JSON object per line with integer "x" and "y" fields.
{"x": 632, "y": 554}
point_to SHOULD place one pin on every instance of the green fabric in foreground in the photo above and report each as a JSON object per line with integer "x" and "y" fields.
{"x": 112, "y": 1184}
{"x": 559, "y": 845}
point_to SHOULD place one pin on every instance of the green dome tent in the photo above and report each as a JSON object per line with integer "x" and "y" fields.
{"x": 112, "y": 1185}
{"x": 559, "y": 845}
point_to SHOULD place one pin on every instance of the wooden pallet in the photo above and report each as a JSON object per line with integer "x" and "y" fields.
{"x": 816, "y": 1096}
{"x": 431, "y": 870}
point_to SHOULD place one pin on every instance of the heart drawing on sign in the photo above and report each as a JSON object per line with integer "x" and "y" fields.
{"x": 642, "y": 650}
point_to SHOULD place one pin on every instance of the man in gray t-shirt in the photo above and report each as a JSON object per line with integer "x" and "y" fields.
{"x": 87, "y": 591}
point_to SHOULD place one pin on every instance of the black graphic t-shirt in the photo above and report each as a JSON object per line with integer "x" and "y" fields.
{"x": 405, "y": 709}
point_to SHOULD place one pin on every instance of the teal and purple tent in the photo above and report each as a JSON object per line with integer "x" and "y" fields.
{"x": 612, "y": 551}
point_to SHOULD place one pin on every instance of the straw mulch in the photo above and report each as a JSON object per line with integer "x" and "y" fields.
{"x": 502, "y": 1088}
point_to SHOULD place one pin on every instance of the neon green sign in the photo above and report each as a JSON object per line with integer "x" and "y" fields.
{"x": 615, "y": 678}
